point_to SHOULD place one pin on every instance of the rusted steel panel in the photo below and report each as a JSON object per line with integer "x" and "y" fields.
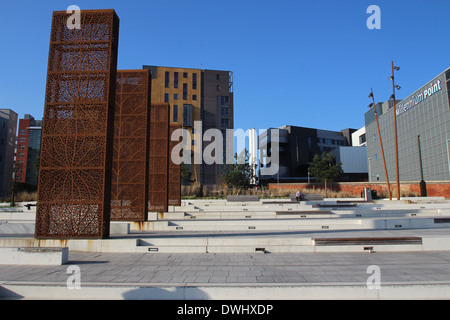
{"x": 74, "y": 192}
{"x": 174, "y": 172}
{"x": 129, "y": 190}
{"x": 159, "y": 157}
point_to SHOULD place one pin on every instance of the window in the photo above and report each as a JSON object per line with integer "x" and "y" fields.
{"x": 362, "y": 138}
{"x": 175, "y": 79}
{"x": 194, "y": 81}
{"x": 175, "y": 113}
{"x": 217, "y": 77}
{"x": 218, "y": 88}
{"x": 167, "y": 79}
{"x": 225, "y": 122}
{"x": 184, "y": 91}
{"x": 194, "y": 97}
{"x": 21, "y": 139}
{"x": 225, "y": 111}
{"x": 185, "y": 75}
{"x": 224, "y": 100}
{"x": 175, "y": 96}
{"x": 22, "y": 131}
{"x": 166, "y": 97}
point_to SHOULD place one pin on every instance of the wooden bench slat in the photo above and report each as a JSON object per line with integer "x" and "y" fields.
{"x": 303, "y": 212}
{"x": 366, "y": 241}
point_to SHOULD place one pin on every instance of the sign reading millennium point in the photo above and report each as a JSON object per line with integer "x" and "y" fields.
{"x": 418, "y": 97}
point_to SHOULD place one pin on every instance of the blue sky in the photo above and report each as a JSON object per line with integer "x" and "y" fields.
{"x": 301, "y": 62}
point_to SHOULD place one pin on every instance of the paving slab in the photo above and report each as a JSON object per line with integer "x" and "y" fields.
{"x": 325, "y": 270}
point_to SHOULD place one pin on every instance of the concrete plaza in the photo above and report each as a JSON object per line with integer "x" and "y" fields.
{"x": 270, "y": 261}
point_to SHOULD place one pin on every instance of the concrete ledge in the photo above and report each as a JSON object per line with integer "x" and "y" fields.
{"x": 34, "y": 256}
{"x": 244, "y": 291}
{"x": 242, "y": 198}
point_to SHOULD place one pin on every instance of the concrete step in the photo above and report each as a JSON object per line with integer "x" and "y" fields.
{"x": 262, "y": 224}
{"x": 236, "y": 244}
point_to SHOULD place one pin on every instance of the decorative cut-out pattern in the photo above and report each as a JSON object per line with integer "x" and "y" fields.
{"x": 74, "y": 193}
{"x": 129, "y": 190}
{"x": 174, "y": 172}
{"x": 159, "y": 157}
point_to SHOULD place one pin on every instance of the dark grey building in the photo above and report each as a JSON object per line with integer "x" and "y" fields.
{"x": 217, "y": 112}
{"x": 8, "y": 128}
{"x": 424, "y": 113}
{"x": 297, "y": 147}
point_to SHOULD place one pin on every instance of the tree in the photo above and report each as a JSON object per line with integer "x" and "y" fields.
{"x": 239, "y": 174}
{"x": 325, "y": 168}
{"x": 186, "y": 174}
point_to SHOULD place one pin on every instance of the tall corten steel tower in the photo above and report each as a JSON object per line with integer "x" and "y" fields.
{"x": 74, "y": 192}
{"x": 174, "y": 172}
{"x": 158, "y": 178}
{"x": 131, "y": 146}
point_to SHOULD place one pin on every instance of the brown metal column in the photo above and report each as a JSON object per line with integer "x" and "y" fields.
{"x": 74, "y": 192}
{"x": 174, "y": 172}
{"x": 129, "y": 194}
{"x": 159, "y": 157}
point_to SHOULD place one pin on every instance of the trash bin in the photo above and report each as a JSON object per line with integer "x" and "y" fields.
{"x": 367, "y": 194}
{"x": 374, "y": 194}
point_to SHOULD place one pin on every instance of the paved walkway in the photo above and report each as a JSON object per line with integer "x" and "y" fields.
{"x": 284, "y": 272}
{"x": 274, "y": 268}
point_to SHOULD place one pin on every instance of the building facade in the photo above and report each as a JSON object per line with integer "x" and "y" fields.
{"x": 28, "y": 150}
{"x": 297, "y": 148}
{"x": 199, "y": 100}
{"x": 423, "y": 119}
{"x": 8, "y": 128}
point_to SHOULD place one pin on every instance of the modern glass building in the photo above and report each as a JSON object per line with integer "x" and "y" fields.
{"x": 423, "y": 119}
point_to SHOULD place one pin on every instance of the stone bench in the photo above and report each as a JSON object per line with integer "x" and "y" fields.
{"x": 34, "y": 256}
{"x": 366, "y": 241}
{"x": 336, "y": 205}
{"x": 313, "y": 212}
{"x": 308, "y": 197}
{"x": 242, "y": 198}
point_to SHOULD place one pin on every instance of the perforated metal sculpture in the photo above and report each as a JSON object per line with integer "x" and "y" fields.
{"x": 129, "y": 190}
{"x": 174, "y": 172}
{"x": 74, "y": 192}
{"x": 159, "y": 157}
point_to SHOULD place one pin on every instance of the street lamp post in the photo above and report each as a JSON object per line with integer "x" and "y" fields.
{"x": 422, "y": 184}
{"x": 381, "y": 143}
{"x": 395, "y": 127}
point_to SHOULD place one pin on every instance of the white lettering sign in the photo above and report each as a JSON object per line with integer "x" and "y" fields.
{"x": 407, "y": 104}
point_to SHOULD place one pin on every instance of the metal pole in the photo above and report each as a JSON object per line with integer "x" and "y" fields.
{"x": 448, "y": 155}
{"x": 422, "y": 184}
{"x": 395, "y": 133}
{"x": 420, "y": 157}
{"x": 381, "y": 145}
